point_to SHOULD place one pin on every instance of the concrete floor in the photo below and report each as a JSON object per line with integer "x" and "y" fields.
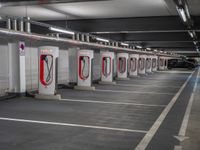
{"x": 114, "y": 117}
{"x": 193, "y": 129}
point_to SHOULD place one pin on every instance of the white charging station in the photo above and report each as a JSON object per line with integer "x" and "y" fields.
{"x": 133, "y": 64}
{"x": 161, "y": 63}
{"x": 122, "y": 66}
{"x": 107, "y": 68}
{"x": 48, "y": 72}
{"x": 85, "y": 61}
{"x": 149, "y": 64}
{"x": 142, "y": 64}
{"x": 154, "y": 63}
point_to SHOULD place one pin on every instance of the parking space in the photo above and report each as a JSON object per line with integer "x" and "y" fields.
{"x": 112, "y": 117}
{"x": 38, "y": 136}
{"x": 99, "y": 74}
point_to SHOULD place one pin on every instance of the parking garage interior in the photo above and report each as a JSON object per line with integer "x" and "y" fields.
{"x": 99, "y": 75}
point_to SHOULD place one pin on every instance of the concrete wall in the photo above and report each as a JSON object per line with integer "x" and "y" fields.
{"x": 4, "y": 81}
{"x": 31, "y": 55}
{"x": 96, "y": 66}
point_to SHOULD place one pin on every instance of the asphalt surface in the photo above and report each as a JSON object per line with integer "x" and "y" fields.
{"x": 114, "y": 117}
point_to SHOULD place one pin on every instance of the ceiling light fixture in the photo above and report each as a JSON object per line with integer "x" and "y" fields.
{"x": 191, "y": 33}
{"x": 182, "y": 13}
{"x": 102, "y": 40}
{"x": 148, "y": 49}
{"x": 195, "y": 42}
{"x": 124, "y": 44}
{"x": 155, "y": 50}
{"x": 61, "y": 30}
{"x": 197, "y": 49}
{"x": 139, "y": 47}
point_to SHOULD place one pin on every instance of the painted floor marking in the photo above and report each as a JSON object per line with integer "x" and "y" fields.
{"x": 142, "y": 85}
{"x": 153, "y": 82}
{"x": 182, "y": 131}
{"x": 70, "y": 125}
{"x": 150, "y": 134}
{"x": 175, "y": 71}
{"x": 110, "y": 102}
{"x": 132, "y": 92}
{"x": 178, "y": 148}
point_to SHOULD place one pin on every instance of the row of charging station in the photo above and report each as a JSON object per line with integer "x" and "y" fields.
{"x": 128, "y": 65}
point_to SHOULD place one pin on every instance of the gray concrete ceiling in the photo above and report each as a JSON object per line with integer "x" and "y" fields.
{"x": 194, "y": 7}
{"x": 153, "y": 23}
{"x": 92, "y": 10}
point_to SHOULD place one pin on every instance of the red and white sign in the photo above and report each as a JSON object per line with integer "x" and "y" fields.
{"x": 21, "y": 48}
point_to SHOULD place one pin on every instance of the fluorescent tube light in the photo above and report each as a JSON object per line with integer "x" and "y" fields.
{"x": 148, "y": 49}
{"x": 191, "y": 34}
{"x": 138, "y": 46}
{"x": 195, "y": 42}
{"x": 181, "y": 12}
{"x": 124, "y": 44}
{"x": 61, "y": 30}
{"x": 101, "y": 39}
{"x": 155, "y": 50}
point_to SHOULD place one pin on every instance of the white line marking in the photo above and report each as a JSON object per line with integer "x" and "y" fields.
{"x": 70, "y": 125}
{"x": 131, "y": 92}
{"x": 142, "y": 85}
{"x": 109, "y": 102}
{"x": 175, "y": 71}
{"x": 182, "y": 132}
{"x": 150, "y": 134}
{"x": 156, "y": 81}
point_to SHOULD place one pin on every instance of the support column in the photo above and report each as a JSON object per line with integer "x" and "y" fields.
{"x": 17, "y": 77}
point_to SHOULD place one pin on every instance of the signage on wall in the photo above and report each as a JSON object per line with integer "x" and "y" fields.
{"x": 21, "y": 48}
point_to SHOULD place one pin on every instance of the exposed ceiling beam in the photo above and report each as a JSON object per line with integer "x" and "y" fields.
{"x": 184, "y": 52}
{"x": 130, "y": 25}
{"x": 149, "y": 37}
{"x": 124, "y": 24}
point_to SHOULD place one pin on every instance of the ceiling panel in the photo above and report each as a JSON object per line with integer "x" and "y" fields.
{"x": 194, "y": 7}
{"x": 35, "y": 12}
{"x": 92, "y": 9}
{"x": 116, "y": 8}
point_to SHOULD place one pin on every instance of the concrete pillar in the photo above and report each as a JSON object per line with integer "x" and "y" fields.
{"x": 166, "y": 63}
{"x": 17, "y": 78}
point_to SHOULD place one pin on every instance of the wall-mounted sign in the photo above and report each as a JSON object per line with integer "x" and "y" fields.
{"x": 21, "y": 48}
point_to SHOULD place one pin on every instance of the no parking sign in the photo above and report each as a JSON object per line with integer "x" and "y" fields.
{"x": 21, "y": 48}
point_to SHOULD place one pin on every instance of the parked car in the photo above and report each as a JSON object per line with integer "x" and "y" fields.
{"x": 182, "y": 63}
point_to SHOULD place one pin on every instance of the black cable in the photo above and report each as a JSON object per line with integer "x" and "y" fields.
{"x": 48, "y": 78}
{"x": 83, "y": 67}
{"x": 106, "y": 65}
